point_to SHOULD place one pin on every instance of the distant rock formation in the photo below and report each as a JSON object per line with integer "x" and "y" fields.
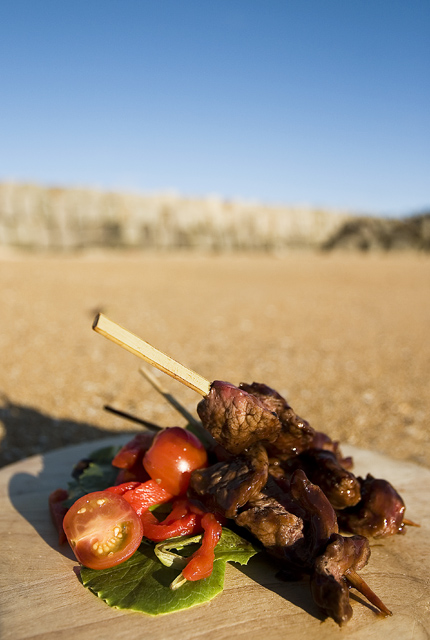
{"x": 38, "y": 217}
{"x": 367, "y": 234}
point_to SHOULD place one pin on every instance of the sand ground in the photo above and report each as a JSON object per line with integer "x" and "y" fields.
{"x": 346, "y": 338}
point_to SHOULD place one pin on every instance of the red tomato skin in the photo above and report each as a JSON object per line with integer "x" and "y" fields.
{"x": 92, "y": 520}
{"x": 173, "y": 456}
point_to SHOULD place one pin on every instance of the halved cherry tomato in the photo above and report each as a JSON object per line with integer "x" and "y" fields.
{"x": 103, "y": 529}
{"x": 173, "y": 456}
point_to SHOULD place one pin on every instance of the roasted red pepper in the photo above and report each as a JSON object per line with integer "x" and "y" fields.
{"x": 156, "y": 531}
{"x": 129, "y": 459}
{"x": 145, "y": 495}
{"x": 133, "y": 451}
{"x": 122, "y": 488}
{"x": 200, "y": 564}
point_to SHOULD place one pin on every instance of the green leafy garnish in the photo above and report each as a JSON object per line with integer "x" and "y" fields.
{"x": 163, "y": 550}
{"x": 98, "y": 475}
{"x": 141, "y": 583}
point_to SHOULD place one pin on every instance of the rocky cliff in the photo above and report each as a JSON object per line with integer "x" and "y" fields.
{"x": 367, "y": 234}
{"x": 66, "y": 219}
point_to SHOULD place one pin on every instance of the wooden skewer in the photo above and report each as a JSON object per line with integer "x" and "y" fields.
{"x": 143, "y": 350}
{"x": 358, "y": 583}
{"x": 410, "y": 523}
{"x": 168, "y": 396}
{"x": 198, "y": 428}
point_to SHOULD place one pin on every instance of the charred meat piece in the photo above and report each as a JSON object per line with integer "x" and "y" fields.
{"x": 235, "y": 418}
{"x": 228, "y": 485}
{"x": 297, "y": 523}
{"x": 323, "y": 441}
{"x": 296, "y": 434}
{"x": 317, "y": 513}
{"x": 379, "y": 513}
{"x": 323, "y": 468}
{"x": 271, "y": 524}
{"x": 329, "y": 579}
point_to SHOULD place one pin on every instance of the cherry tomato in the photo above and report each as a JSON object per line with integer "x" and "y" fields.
{"x": 103, "y": 529}
{"x": 173, "y": 456}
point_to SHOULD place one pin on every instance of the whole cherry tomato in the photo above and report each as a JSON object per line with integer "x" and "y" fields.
{"x": 173, "y": 456}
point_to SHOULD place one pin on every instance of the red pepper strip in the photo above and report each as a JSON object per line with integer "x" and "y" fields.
{"x": 180, "y": 508}
{"x": 158, "y": 531}
{"x": 146, "y": 495}
{"x": 133, "y": 451}
{"x": 58, "y": 511}
{"x": 200, "y": 564}
{"x": 120, "y": 489}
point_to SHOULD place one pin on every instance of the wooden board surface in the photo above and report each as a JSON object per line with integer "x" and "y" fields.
{"x": 41, "y": 597}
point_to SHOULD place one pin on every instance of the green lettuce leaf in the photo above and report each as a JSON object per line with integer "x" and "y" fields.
{"x": 99, "y": 475}
{"x": 141, "y": 583}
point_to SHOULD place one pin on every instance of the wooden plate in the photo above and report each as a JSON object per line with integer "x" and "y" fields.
{"x": 41, "y": 597}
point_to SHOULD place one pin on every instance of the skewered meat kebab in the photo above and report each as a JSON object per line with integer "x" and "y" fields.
{"x": 305, "y": 526}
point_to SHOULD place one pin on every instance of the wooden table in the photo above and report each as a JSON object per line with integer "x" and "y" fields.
{"x": 41, "y": 597}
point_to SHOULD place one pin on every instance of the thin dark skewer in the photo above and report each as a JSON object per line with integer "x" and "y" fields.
{"x": 128, "y": 416}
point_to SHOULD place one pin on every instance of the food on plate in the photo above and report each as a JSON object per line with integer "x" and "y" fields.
{"x": 291, "y": 495}
{"x": 264, "y": 474}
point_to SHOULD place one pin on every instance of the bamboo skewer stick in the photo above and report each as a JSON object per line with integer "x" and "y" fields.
{"x": 362, "y": 587}
{"x": 142, "y": 349}
{"x": 410, "y": 523}
{"x": 168, "y": 396}
{"x": 199, "y": 429}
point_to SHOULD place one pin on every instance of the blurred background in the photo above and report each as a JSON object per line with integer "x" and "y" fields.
{"x": 243, "y": 184}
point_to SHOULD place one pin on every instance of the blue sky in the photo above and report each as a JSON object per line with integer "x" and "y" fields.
{"x": 317, "y": 102}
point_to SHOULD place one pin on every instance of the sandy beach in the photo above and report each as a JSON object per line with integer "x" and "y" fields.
{"x": 345, "y": 337}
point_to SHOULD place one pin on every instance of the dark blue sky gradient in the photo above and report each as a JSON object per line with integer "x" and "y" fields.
{"x": 301, "y": 102}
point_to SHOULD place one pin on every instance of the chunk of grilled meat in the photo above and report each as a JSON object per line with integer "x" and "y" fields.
{"x": 295, "y": 435}
{"x": 378, "y": 514}
{"x": 323, "y": 441}
{"x": 323, "y": 468}
{"x": 237, "y": 419}
{"x": 329, "y": 578}
{"x": 228, "y": 485}
{"x": 296, "y": 522}
{"x": 272, "y": 525}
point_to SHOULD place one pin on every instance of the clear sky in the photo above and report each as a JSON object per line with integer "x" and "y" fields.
{"x": 318, "y": 102}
